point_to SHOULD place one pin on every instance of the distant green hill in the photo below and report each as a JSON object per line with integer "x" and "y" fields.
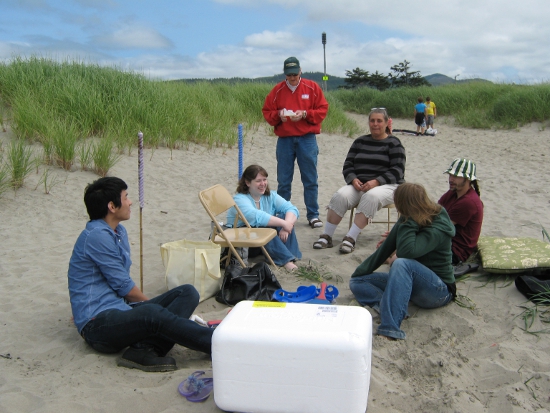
{"x": 333, "y": 82}
{"x": 437, "y": 79}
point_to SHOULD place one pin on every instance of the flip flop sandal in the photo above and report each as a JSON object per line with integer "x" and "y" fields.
{"x": 204, "y": 388}
{"x": 301, "y": 295}
{"x": 320, "y": 245}
{"x": 348, "y": 245}
{"x": 315, "y": 223}
{"x": 189, "y": 386}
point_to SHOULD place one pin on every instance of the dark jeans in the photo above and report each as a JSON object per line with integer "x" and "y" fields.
{"x": 160, "y": 322}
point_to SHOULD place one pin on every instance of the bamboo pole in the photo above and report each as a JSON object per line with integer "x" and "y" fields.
{"x": 141, "y": 202}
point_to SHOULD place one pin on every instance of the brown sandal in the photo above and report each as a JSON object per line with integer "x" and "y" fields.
{"x": 348, "y": 245}
{"x": 320, "y": 245}
{"x": 315, "y": 223}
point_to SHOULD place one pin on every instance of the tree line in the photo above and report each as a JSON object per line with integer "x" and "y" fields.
{"x": 400, "y": 75}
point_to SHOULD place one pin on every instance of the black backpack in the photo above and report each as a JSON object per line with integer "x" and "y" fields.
{"x": 535, "y": 285}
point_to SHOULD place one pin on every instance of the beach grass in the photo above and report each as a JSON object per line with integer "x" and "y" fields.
{"x": 48, "y": 147}
{"x": 481, "y": 105}
{"x": 104, "y": 156}
{"x": 20, "y": 162}
{"x": 62, "y": 104}
{"x": 529, "y": 315}
{"x": 94, "y": 99}
{"x": 545, "y": 234}
{"x": 64, "y": 137}
{"x": 84, "y": 154}
{"x": 4, "y": 114}
{"x": 49, "y": 180}
{"x": 5, "y": 183}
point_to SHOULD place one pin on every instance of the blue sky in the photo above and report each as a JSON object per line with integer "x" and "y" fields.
{"x": 499, "y": 40}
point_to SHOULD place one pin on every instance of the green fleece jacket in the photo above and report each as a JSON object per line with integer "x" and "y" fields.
{"x": 430, "y": 246}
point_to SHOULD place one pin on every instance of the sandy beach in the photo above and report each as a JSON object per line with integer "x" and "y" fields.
{"x": 453, "y": 360}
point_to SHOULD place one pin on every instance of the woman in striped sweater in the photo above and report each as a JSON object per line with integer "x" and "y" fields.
{"x": 374, "y": 167}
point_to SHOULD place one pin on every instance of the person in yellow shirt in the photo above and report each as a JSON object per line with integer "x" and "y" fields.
{"x": 431, "y": 112}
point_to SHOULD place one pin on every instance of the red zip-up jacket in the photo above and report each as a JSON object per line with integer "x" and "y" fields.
{"x": 308, "y": 96}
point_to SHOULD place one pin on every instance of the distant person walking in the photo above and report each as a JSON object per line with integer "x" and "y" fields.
{"x": 296, "y": 108}
{"x": 431, "y": 112}
{"x": 420, "y": 116}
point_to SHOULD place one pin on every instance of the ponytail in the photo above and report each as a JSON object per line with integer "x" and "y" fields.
{"x": 475, "y": 185}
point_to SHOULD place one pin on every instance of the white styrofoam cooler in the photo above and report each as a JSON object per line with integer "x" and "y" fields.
{"x": 284, "y": 357}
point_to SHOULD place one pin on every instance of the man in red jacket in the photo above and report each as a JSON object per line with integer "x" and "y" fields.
{"x": 295, "y": 108}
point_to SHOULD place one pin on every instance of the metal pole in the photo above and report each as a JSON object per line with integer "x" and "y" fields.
{"x": 324, "y": 40}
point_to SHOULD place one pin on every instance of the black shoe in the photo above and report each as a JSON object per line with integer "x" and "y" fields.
{"x": 463, "y": 268}
{"x": 146, "y": 359}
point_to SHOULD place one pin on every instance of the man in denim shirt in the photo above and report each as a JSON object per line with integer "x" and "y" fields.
{"x": 109, "y": 310}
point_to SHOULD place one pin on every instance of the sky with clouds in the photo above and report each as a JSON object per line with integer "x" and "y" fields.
{"x": 498, "y": 40}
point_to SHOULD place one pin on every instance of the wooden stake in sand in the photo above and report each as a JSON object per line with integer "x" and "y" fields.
{"x": 140, "y": 178}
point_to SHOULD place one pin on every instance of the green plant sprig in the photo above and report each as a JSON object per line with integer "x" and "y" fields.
{"x": 315, "y": 273}
{"x": 48, "y": 180}
{"x": 465, "y": 302}
{"x": 526, "y": 383}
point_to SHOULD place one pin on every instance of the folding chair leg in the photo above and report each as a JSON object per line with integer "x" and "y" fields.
{"x": 228, "y": 258}
{"x": 232, "y": 250}
{"x": 266, "y": 254}
{"x": 351, "y": 215}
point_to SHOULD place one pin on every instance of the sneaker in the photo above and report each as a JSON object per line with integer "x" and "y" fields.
{"x": 146, "y": 359}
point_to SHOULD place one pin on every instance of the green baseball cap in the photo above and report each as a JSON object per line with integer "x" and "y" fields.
{"x": 291, "y": 66}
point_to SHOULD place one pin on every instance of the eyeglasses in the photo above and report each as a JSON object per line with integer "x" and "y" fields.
{"x": 292, "y": 74}
{"x": 378, "y": 108}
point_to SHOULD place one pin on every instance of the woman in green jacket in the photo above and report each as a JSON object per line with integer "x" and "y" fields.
{"x": 423, "y": 273}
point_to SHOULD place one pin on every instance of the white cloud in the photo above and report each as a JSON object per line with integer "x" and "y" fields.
{"x": 476, "y": 37}
{"x": 494, "y": 39}
{"x": 274, "y": 40}
{"x": 133, "y": 37}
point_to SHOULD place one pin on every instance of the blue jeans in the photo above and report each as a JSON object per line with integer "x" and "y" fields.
{"x": 305, "y": 150}
{"x": 160, "y": 322}
{"x": 283, "y": 252}
{"x": 390, "y": 293}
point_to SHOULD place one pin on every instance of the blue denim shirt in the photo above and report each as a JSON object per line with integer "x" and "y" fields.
{"x": 99, "y": 271}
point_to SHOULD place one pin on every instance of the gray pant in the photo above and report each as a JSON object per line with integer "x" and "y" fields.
{"x": 368, "y": 202}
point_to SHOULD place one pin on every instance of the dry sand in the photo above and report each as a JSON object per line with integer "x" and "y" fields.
{"x": 453, "y": 360}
